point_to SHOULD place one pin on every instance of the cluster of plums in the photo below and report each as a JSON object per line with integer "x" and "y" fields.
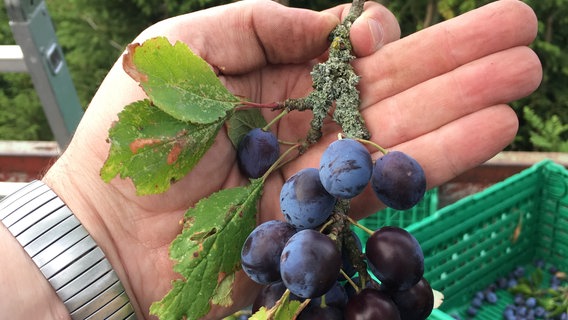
{"x": 294, "y": 254}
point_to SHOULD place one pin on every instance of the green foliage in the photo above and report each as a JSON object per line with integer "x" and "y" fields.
{"x": 284, "y": 309}
{"x": 547, "y": 134}
{"x": 178, "y": 81}
{"x": 208, "y": 248}
{"x": 153, "y": 148}
{"x": 158, "y": 131}
{"x": 551, "y": 45}
{"x": 21, "y": 114}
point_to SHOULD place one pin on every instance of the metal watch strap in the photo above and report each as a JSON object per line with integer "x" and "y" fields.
{"x": 65, "y": 253}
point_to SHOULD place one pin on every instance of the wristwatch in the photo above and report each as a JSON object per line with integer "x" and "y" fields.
{"x": 65, "y": 253}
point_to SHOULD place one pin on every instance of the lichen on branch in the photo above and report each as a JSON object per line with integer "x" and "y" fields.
{"x": 335, "y": 81}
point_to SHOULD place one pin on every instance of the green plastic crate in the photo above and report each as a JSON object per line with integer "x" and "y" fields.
{"x": 470, "y": 244}
{"x": 400, "y": 218}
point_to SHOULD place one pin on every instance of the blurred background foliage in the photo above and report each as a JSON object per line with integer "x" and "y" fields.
{"x": 94, "y": 33}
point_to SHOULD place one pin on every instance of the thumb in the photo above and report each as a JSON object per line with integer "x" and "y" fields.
{"x": 373, "y": 29}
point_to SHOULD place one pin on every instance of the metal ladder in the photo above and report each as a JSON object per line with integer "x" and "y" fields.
{"x": 38, "y": 53}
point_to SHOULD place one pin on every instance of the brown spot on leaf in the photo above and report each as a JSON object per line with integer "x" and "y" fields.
{"x": 137, "y": 144}
{"x": 129, "y": 66}
{"x": 174, "y": 153}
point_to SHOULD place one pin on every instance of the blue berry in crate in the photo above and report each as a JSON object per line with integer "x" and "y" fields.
{"x": 257, "y": 151}
{"x": 539, "y": 312}
{"x": 491, "y": 297}
{"x": 260, "y": 255}
{"x": 509, "y": 313}
{"x": 304, "y": 201}
{"x": 519, "y": 300}
{"x": 345, "y": 168}
{"x": 502, "y": 283}
{"x": 476, "y": 302}
{"x": 519, "y": 272}
{"x": 472, "y": 311}
{"x": 530, "y": 302}
{"x": 398, "y": 180}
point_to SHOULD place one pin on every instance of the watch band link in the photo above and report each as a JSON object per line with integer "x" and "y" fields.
{"x": 65, "y": 253}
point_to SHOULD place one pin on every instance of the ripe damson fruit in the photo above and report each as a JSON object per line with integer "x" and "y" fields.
{"x": 309, "y": 264}
{"x": 395, "y": 258}
{"x": 371, "y": 304}
{"x": 315, "y": 312}
{"x": 398, "y": 180}
{"x": 260, "y": 255}
{"x": 257, "y": 151}
{"x": 269, "y": 295}
{"x": 304, "y": 201}
{"x": 345, "y": 168}
{"x": 334, "y": 297}
{"x": 415, "y": 303}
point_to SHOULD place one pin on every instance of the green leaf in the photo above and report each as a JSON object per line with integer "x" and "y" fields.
{"x": 523, "y": 288}
{"x": 153, "y": 148}
{"x": 536, "y": 278}
{"x": 282, "y": 311}
{"x": 241, "y": 122}
{"x": 178, "y": 81}
{"x": 208, "y": 249}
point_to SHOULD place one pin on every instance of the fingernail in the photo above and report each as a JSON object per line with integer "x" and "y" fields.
{"x": 376, "y": 33}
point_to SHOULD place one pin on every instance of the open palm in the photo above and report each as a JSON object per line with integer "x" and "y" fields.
{"x": 440, "y": 95}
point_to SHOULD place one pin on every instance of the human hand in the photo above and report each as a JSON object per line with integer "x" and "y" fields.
{"x": 438, "y": 95}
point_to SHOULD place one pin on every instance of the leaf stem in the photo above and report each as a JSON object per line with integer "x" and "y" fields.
{"x": 375, "y": 145}
{"x": 276, "y": 165}
{"x": 243, "y": 105}
{"x": 276, "y": 119}
{"x": 362, "y": 227}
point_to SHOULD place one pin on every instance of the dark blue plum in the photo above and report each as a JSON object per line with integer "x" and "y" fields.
{"x": 415, "y": 303}
{"x": 395, "y": 258}
{"x": 315, "y": 312}
{"x": 257, "y": 151}
{"x": 260, "y": 255}
{"x": 371, "y": 304}
{"x": 334, "y": 297}
{"x": 304, "y": 201}
{"x": 269, "y": 295}
{"x": 309, "y": 264}
{"x": 398, "y": 180}
{"x": 345, "y": 168}
{"x": 329, "y": 306}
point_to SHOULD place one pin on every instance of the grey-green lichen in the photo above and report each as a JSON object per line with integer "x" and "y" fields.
{"x": 335, "y": 81}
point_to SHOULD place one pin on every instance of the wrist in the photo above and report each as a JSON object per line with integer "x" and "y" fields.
{"x": 26, "y": 294}
{"x": 87, "y": 199}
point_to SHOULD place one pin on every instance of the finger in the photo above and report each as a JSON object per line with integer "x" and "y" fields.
{"x": 246, "y": 35}
{"x": 498, "y": 78}
{"x": 452, "y": 149}
{"x": 375, "y": 27}
{"x": 443, "y": 47}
